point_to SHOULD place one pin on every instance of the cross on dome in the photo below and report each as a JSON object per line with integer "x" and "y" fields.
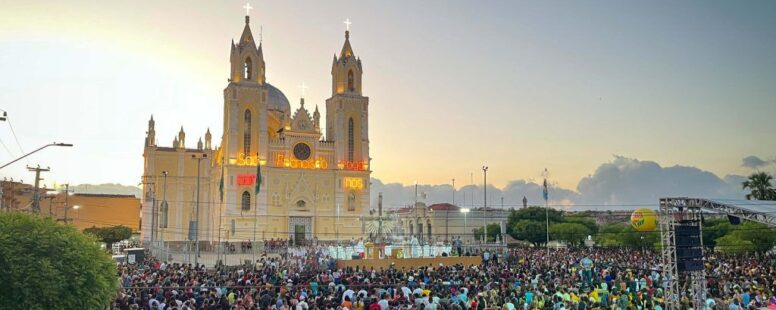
{"x": 248, "y": 9}
{"x": 347, "y": 24}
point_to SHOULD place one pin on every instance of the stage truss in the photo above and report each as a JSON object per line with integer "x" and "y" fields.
{"x": 687, "y": 211}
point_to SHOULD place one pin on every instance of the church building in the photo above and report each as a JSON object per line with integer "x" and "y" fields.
{"x": 311, "y": 183}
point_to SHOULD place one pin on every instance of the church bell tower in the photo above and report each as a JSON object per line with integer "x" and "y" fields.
{"x": 347, "y": 120}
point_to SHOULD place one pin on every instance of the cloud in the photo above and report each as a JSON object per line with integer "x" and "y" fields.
{"x": 755, "y": 162}
{"x": 623, "y": 183}
{"x": 626, "y": 181}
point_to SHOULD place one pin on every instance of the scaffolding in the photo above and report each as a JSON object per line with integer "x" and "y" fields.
{"x": 688, "y": 212}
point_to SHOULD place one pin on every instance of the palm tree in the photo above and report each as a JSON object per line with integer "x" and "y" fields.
{"x": 761, "y": 187}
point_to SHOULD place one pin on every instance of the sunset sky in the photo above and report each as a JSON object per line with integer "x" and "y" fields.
{"x": 519, "y": 86}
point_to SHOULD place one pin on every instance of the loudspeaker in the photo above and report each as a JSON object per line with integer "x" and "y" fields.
{"x": 689, "y": 254}
{"x": 689, "y": 265}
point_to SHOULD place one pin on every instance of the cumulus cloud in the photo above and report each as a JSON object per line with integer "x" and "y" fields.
{"x": 626, "y": 181}
{"x": 623, "y": 183}
{"x": 755, "y": 162}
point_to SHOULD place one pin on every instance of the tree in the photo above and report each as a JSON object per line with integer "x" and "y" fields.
{"x": 110, "y": 235}
{"x": 532, "y": 231}
{"x": 733, "y": 244}
{"x": 760, "y": 186}
{"x": 493, "y": 231}
{"x": 762, "y": 237}
{"x": 46, "y": 265}
{"x": 714, "y": 229}
{"x": 610, "y": 235}
{"x": 573, "y": 233}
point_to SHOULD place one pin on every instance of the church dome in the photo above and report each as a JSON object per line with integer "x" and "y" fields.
{"x": 276, "y": 100}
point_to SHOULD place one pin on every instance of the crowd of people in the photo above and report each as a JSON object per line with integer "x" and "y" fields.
{"x": 525, "y": 278}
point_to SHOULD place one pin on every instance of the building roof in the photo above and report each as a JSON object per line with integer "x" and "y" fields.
{"x": 444, "y": 207}
{"x": 276, "y": 100}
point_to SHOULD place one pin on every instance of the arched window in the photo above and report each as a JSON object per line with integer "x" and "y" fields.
{"x": 247, "y": 134}
{"x": 301, "y": 204}
{"x": 351, "y": 85}
{"x": 163, "y": 216}
{"x": 352, "y": 202}
{"x": 351, "y": 142}
{"x": 246, "y": 201}
{"x": 248, "y": 69}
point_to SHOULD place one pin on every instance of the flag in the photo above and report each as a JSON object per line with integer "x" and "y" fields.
{"x": 221, "y": 183}
{"x": 545, "y": 194}
{"x": 258, "y": 175}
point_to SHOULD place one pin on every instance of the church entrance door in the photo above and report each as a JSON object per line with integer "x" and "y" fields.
{"x": 299, "y": 234}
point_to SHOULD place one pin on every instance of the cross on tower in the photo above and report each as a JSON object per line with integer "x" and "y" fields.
{"x": 303, "y": 87}
{"x": 347, "y": 24}
{"x": 248, "y": 9}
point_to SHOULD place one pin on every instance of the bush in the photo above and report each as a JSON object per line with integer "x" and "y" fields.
{"x": 46, "y": 265}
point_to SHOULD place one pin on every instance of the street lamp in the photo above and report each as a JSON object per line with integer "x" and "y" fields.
{"x": 40, "y": 148}
{"x": 75, "y": 207}
{"x": 485, "y": 204}
{"x": 465, "y": 212}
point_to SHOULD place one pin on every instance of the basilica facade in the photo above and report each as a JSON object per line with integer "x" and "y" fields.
{"x": 310, "y": 184}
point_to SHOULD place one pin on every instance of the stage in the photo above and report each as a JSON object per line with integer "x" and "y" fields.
{"x": 407, "y": 263}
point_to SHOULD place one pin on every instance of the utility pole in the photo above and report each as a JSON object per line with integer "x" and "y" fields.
{"x": 164, "y": 205}
{"x": 196, "y": 236}
{"x": 36, "y": 194}
{"x": 67, "y": 193}
{"x": 485, "y": 204}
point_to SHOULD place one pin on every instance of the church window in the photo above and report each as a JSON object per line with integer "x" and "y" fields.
{"x": 301, "y": 204}
{"x": 248, "y": 69}
{"x": 351, "y": 86}
{"x": 165, "y": 211}
{"x": 246, "y": 201}
{"x": 350, "y": 139}
{"x": 247, "y": 134}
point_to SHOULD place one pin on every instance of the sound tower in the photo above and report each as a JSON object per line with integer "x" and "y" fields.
{"x": 689, "y": 253}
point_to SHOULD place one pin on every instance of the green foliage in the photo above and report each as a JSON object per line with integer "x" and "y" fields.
{"x": 621, "y": 235}
{"x": 531, "y": 231}
{"x": 714, "y": 229}
{"x": 573, "y": 233}
{"x": 45, "y": 265}
{"x": 760, "y": 186}
{"x": 760, "y": 235}
{"x": 583, "y": 219}
{"x": 535, "y": 214}
{"x": 493, "y": 231}
{"x": 109, "y": 235}
{"x": 609, "y": 235}
{"x": 733, "y": 244}
{"x": 638, "y": 239}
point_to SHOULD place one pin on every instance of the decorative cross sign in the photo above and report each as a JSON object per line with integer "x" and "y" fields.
{"x": 347, "y": 24}
{"x": 248, "y": 9}
{"x": 303, "y": 87}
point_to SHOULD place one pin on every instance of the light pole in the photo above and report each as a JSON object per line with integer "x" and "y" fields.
{"x": 196, "y": 232}
{"x": 40, "y": 148}
{"x": 465, "y": 212}
{"x": 164, "y": 200}
{"x": 546, "y": 195}
{"x": 75, "y": 207}
{"x": 485, "y": 204}
{"x": 336, "y": 230}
